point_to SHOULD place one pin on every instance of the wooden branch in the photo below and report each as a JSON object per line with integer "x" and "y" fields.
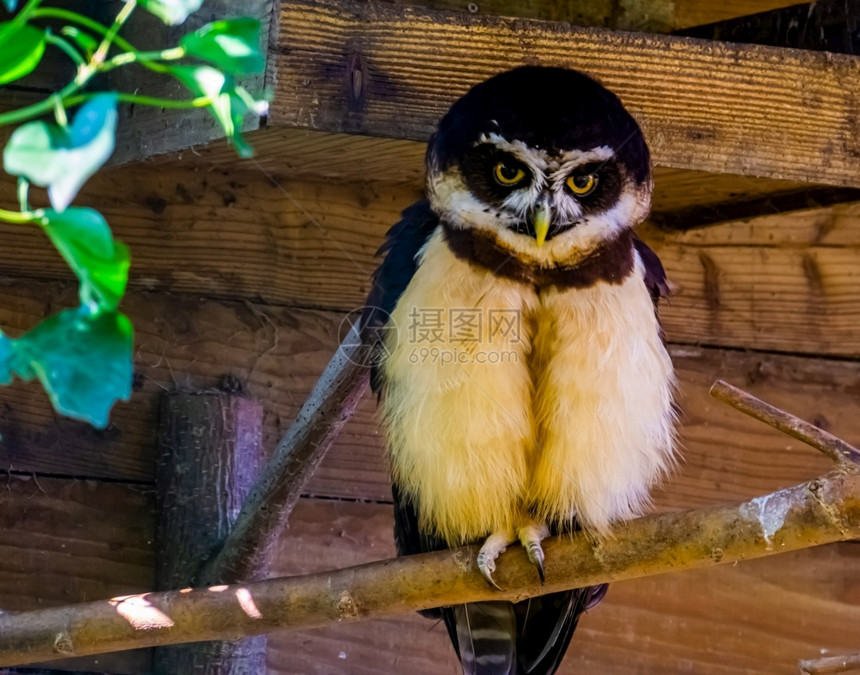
{"x": 818, "y": 512}
{"x": 250, "y": 544}
{"x": 829, "y": 664}
{"x": 835, "y": 448}
{"x": 378, "y": 69}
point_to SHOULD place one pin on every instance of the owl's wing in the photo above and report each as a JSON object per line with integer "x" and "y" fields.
{"x": 402, "y": 244}
{"x": 655, "y": 275}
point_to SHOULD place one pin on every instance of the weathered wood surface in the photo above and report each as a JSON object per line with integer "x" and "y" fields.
{"x": 650, "y": 16}
{"x": 190, "y": 343}
{"x": 384, "y": 70}
{"x": 696, "y": 12}
{"x": 210, "y": 454}
{"x": 683, "y": 198}
{"x": 755, "y": 617}
{"x": 67, "y": 541}
{"x": 824, "y": 25}
{"x": 786, "y": 283}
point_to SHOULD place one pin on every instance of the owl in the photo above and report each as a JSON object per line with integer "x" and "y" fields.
{"x": 524, "y": 385}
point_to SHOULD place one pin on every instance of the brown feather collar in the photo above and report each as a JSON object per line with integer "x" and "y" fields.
{"x": 612, "y": 262}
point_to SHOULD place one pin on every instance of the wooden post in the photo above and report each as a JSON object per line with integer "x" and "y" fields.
{"x": 210, "y": 453}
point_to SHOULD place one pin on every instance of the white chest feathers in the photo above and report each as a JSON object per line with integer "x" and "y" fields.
{"x": 502, "y": 403}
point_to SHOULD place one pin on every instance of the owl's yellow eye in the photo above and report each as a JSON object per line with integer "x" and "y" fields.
{"x": 508, "y": 175}
{"x": 582, "y": 184}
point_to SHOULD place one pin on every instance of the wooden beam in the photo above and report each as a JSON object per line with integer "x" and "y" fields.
{"x": 682, "y": 198}
{"x": 655, "y": 16}
{"x": 823, "y": 26}
{"x": 391, "y": 71}
{"x": 697, "y": 12}
{"x": 238, "y": 235}
{"x": 650, "y": 16}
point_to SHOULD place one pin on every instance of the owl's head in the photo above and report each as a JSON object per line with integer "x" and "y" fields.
{"x": 544, "y": 160}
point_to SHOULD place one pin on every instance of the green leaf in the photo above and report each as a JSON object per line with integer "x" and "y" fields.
{"x": 229, "y": 102}
{"x": 82, "y": 359}
{"x": 21, "y": 49}
{"x": 62, "y": 160}
{"x": 172, "y": 12}
{"x": 83, "y": 238}
{"x": 232, "y": 45}
{"x": 6, "y": 354}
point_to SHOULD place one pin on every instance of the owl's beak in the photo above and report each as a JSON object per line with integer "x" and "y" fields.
{"x": 541, "y": 217}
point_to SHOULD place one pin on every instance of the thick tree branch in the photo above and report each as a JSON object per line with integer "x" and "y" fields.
{"x": 249, "y": 546}
{"x": 835, "y": 448}
{"x": 818, "y": 512}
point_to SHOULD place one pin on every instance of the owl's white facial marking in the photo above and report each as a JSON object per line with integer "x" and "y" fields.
{"x": 467, "y": 198}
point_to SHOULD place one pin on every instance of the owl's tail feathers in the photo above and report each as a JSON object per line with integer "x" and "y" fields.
{"x": 486, "y": 637}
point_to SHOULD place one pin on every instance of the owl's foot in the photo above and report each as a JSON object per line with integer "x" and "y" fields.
{"x": 493, "y": 547}
{"x": 530, "y": 536}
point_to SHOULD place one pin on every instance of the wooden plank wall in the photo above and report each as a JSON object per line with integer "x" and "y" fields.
{"x": 237, "y": 275}
{"x": 247, "y": 275}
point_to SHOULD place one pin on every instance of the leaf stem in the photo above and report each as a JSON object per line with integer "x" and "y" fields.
{"x": 144, "y": 57}
{"x": 60, "y": 113}
{"x": 96, "y": 27}
{"x": 199, "y": 102}
{"x": 22, "y": 217}
{"x": 24, "y": 193}
{"x": 118, "y": 22}
{"x": 22, "y": 16}
{"x": 14, "y": 116}
{"x": 65, "y": 46}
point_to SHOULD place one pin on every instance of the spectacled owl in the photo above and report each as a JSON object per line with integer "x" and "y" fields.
{"x": 524, "y": 385}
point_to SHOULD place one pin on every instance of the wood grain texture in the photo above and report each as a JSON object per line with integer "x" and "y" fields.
{"x": 64, "y": 541}
{"x": 235, "y": 234}
{"x": 680, "y": 196}
{"x": 697, "y": 12}
{"x": 210, "y": 456}
{"x": 654, "y": 16}
{"x": 711, "y": 106}
{"x": 651, "y": 17}
{"x": 754, "y": 617}
{"x": 188, "y": 343}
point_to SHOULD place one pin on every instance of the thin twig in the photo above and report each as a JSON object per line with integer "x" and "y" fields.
{"x": 818, "y": 512}
{"x": 835, "y": 448}
{"x": 829, "y": 664}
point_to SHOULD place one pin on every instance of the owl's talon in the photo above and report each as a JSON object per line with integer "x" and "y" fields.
{"x": 487, "y": 570}
{"x": 536, "y": 557}
{"x": 493, "y": 547}
{"x": 530, "y": 537}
